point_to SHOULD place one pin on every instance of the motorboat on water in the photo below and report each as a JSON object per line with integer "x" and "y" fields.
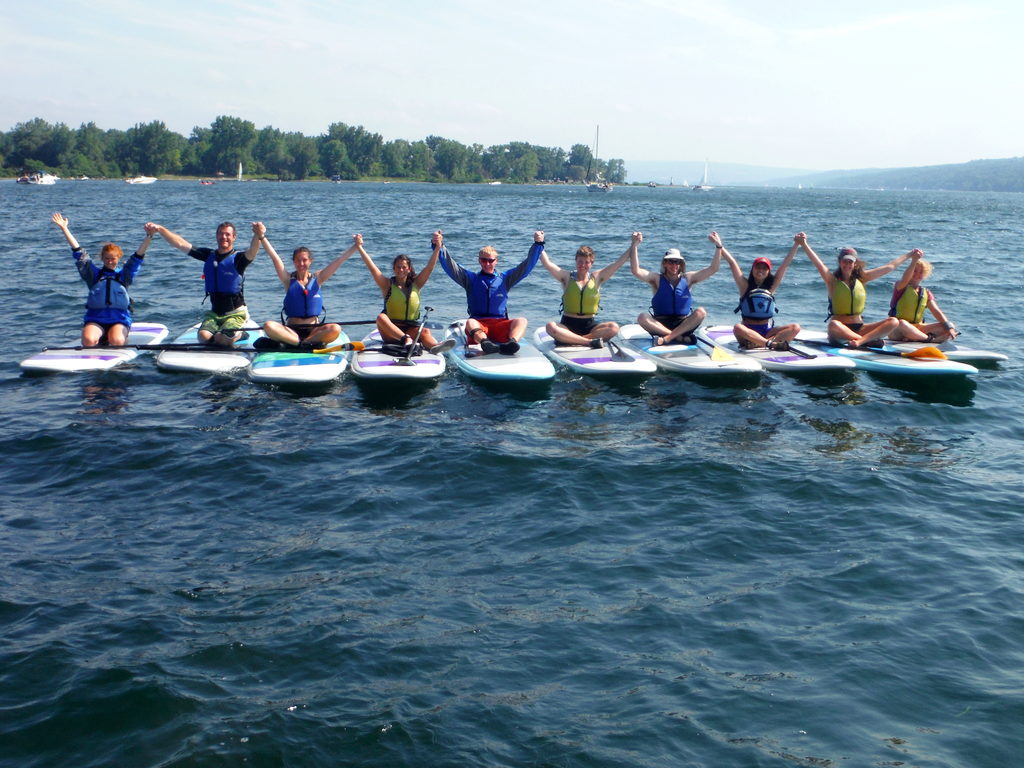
{"x": 140, "y": 180}
{"x": 39, "y": 177}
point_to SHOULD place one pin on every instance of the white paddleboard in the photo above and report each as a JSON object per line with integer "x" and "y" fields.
{"x": 887, "y": 359}
{"x": 528, "y": 364}
{"x": 299, "y": 367}
{"x": 954, "y": 350}
{"x": 73, "y": 359}
{"x": 698, "y": 359}
{"x": 607, "y": 361}
{"x": 373, "y": 365}
{"x": 211, "y": 360}
{"x": 812, "y": 359}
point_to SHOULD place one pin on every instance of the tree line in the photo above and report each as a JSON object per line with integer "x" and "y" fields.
{"x": 342, "y": 152}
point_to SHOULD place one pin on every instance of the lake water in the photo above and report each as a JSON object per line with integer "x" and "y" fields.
{"x": 200, "y": 571}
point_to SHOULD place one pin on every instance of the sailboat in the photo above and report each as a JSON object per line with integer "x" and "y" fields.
{"x": 239, "y": 176}
{"x": 598, "y": 185}
{"x": 704, "y": 186}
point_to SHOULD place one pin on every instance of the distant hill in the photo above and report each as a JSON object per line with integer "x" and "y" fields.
{"x": 720, "y": 174}
{"x": 976, "y": 176}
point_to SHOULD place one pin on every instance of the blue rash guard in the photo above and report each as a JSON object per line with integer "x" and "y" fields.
{"x": 487, "y": 295}
{"x": 108, "y": 302}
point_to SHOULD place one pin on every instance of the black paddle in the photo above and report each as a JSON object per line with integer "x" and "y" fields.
{"x": 407, "y": 360}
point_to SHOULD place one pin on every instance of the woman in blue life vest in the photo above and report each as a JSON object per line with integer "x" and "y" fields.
{"x": 673, "y": 318}
{"x": 399, "y": 321}
{"x": 108, "y": 315}
{"x": 847, "y": 297}
{"x": 909, "y": 301}
{"x": 757, "y": 306}
{"x": 581, "y": 297}
{"x": 303, "y": 304}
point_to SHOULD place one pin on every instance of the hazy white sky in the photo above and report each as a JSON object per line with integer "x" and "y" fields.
{"x": 803, "y": 84}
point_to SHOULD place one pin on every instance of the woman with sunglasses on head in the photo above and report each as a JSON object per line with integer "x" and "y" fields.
{"x": 910, "y": 300}
{"x": 399, "y": 321}
{"x": 757, "y": 301}
{"x": 581, "y": 297}
{"x": 847, "y": 297}
{"x": 673, "y": 318}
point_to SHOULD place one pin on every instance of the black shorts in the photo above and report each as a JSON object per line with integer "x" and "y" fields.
{"x": 304, "y": 331}
{"x": 670, "y": 321}
{"x": 581, "y": 326}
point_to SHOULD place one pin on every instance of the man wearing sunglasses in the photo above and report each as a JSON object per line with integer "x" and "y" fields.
{"x": 487, "y": 297}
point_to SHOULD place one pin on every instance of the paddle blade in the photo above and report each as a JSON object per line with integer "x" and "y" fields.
{"x": 720, "y": 355}
{"x": 351, "y": 346}
{"x": 931, "y": 352}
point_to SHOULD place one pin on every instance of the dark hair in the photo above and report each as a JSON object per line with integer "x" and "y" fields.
{"x": 769, "y": 281}
{"x": 407, "y": 260}
{"x": 227, "y": 224}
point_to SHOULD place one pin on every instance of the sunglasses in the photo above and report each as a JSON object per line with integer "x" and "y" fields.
{"x": 487, "y": 261}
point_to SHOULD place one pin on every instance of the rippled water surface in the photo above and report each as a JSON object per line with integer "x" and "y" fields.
{"x": 202, "y": 571}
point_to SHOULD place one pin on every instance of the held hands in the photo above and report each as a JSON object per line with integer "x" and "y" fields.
{"x": 357, "y": 240}
{"x": 259, "y": 229}
{"x": 916, "y": 254}
{"x": 714, "y": 238}
{"x": 637, "y": 238}
{"x": 800, "y": 238}
{"x": 437, "y": 239}
{"x": 538, "y": 236}
{"x": 151, "y": 229}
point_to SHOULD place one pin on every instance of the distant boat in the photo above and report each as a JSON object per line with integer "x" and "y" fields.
{"x": 239, "y": 176}
{"x": 651, "y": 184}
{"x": 704, "y": 185}
{"x": 39, "y": 177}
{"x": 598, "y": 184}
{"x": 207, "y": 182}
{"x": 140, "y": 180}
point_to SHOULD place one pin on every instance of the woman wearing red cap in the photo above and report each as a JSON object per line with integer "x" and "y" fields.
{"x": 757, "y": 301}
{"x": 847, "y": 297}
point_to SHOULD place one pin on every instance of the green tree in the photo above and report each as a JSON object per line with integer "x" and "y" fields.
{"x": 231, "y": 142}
{"x": 151, "y": 149}
{"x": 334, "y": 160}
{"x": 303, "y": 154}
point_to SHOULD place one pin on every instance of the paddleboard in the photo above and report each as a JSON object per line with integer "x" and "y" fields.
{"x": 528, "y": 364}
{"x": 778, "y": 360}
{"x": 73, "y": 359}
{"x": 210, "y": 360}
{"x": 698, "y": 359}
{"x": 373, "y": 364}
{"x": 887, "y": 359}
{"x": 608, "y": 361}
{"x": 299, "y": 367}
{"x": 954, "y": 350}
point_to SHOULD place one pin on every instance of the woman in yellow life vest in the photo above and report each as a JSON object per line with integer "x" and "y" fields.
{"x": 581, "y": 297}
{"x": 910, "y": 300}
{"x": 847, "y": 297}
{"x": 399, "y": 321}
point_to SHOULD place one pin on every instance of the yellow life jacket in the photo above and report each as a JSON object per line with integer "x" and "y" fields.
{"x": 848, "y": 302}
{"x": 910, "y": 305}
{"x": 398, "y": 305}
{"x": 581, "y": 301}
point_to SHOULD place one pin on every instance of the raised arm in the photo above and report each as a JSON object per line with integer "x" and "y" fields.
{"x": 146, "y": 241}
{"x": 604, "y": 274}
{"x": 279, "y": 267}
{"x": 378, "y": 277}
{"x": 781, "y": 271}
{"x": 915, "y": 255}
{"x": 561, "y": 275}
{"x": 258, "y": 233}
{"x": 639, "y": 272}
{"x": 716, "y": 261}
{"x": 885, "y": 269}
{"x": 325, "y": 274}
{"x": 737, "y": 274}
{"x": 801, "y": 240}
{"x": 436, "y": 242}
{"x": 62, "y": 224}
{"x": 175, "y": 241}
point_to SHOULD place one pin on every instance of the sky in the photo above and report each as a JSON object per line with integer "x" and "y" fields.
{"x": 805, "y": 84}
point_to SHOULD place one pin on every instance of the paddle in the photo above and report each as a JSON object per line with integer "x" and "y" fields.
{"x": 617, "y": 354}
{"x": 407, "y": 360}
{"x": 157, "y": 347}
{"x": 928, "y": 353}
{"x": 348, "y": 346}
{"x": 717, "y": 353}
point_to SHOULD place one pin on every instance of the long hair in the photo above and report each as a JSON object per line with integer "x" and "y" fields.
{"x": 858, "y": 267}
{"x": 769, "y": 281}
{"x": 407, "y": 260}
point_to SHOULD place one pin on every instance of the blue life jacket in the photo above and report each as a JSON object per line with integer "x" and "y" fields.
{"x": 222, "y": 276}
{"x": 302, "y": 301}
{"x": 109, "y": 292}
{"x": 487, "y": 295}
{"x": 757, "y": 304}
{"x": 672, "y": 300}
